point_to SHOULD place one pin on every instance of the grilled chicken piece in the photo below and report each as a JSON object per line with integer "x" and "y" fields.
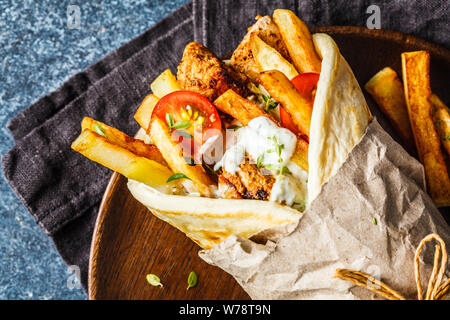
{"x": 201, "y": 71}
{"x": 242, "y": 59}
{"x": 250, "y": 182}
{"x": 227, "y": 190}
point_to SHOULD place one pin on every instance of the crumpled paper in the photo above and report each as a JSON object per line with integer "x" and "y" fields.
{"x": 369, "y": 217}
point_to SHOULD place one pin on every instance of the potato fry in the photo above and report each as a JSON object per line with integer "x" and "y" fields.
{"x": 243, "y": 110}
{"x": 120, "y": 159}
{"x": 240, "y": 108}
{"x": 284, "y": 92}
{"x": 116, "y": 137}
{"x": 298, "y": 41}
{"x": 144, "y": 113}
{"x": 173, "y": 154}
{"x": 242, "y": 58}
{"x": 165, "y": 84}
{"x": 267, "y": 58}
{"x": 300, "y": 156}
{"x": 416, "y": 68}
{"x": 387, "y": 90}
{"x": 441, "y": 121}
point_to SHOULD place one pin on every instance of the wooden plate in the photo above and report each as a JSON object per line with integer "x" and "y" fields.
{"x": 129, "y": 242}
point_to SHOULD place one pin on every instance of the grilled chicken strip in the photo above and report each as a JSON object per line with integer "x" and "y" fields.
{"x": 201, "y": 71}
{"x": 249, "y": 182}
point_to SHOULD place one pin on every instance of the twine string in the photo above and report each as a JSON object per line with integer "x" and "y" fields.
{"x": 436, "y": 290}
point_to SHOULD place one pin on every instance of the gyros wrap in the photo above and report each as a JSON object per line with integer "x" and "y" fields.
{"x": 339, "y": 120}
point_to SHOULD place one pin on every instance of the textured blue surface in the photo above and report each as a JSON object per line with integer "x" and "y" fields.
{"x": 38, "y": 52}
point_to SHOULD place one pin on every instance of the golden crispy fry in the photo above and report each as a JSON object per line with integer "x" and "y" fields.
{"x": 242, "y": 58}
{"x": 243, "y": 110}
{"x": 441, "y": 117}
{"x": 416, "y": 68}
{"x": 387, "y": 90}
{"x": 116, "y": 137}
{"x": 267, "y": 58}
{"x": 121, "y": 159}
{"x": 240, "y": 108}
{"x": 283, "y": 91}
{"x": 298, "y": 40}
{"x": 300, "y": 156}
{"x": 165, "y": 84}
{"x": 173, "y": 154}
{"x": 144, "y": 113}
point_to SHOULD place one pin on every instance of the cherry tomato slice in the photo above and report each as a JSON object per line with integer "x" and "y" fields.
{"x": 306, "y": 84}
{"x": 191, "y": 117}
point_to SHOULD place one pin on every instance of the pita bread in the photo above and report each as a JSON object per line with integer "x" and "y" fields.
{"x": 340, "y": 116}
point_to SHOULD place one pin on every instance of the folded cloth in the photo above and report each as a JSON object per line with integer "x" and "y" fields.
{"x": 52, "y": 181}
{"x": 219, "y": 24}
{"x": 50, "y": 178}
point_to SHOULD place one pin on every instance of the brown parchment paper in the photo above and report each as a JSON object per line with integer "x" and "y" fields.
{"x": 297, "y": 261}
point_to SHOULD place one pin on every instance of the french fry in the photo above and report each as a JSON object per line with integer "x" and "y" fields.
{"x": 144, "y": 113}
{"x": 267, "y": 58}
{"x": 283, "y": 91}
{"x": 173, "y": 154}
{"x": 300, "y": 156}
{"x": 387, "y": 90}
{"x": 165, "y": 84}
{"x": 441, "y": 121}
{"x": 116, "y": 137}
{"x": 298, "y": 41}
{"x": 120, "y": 159}
{"x": 416, "y": 68}
{"x": 240, "y": 108}
{"x": 242, "y": 58}
{"x": 243, "y": 110}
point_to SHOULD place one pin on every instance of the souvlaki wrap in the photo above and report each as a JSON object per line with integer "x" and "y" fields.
{"x": 306, "y": 183}
{"x": 339, "y": 120}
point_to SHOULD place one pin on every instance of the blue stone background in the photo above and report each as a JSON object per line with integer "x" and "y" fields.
{"x": 38, "y": 52}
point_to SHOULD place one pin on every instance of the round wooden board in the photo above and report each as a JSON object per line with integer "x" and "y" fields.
{"x": 129, "y": 242}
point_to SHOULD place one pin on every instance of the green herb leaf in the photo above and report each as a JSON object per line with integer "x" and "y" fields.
{"x": 177, "y": 176}
{"x": 438, "y": 122}
{"x": 447, "y": 138}
{"x": 98, "y": 128}
{"x": 192, "y": 280}
{"x": 181, "y": 125}
{"x": 184, "y": 134}
{"x": 154, "y": 280}
{"x": 279, "y": 148}
{"x": 265, "y": 98}
{"x": 169, "y": 120}
{"x": 271, "y": 105}
{"x": 374, "y": 221}
{"x": 284, "y": 170}
{"x": 260, "y": 160}
{"x": 234, "y": 127}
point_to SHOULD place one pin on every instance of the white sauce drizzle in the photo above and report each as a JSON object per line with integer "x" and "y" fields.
{"x": 289, "y": 188}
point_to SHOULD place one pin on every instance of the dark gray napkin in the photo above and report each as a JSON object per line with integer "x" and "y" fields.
{"x": 62, "y": 189}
